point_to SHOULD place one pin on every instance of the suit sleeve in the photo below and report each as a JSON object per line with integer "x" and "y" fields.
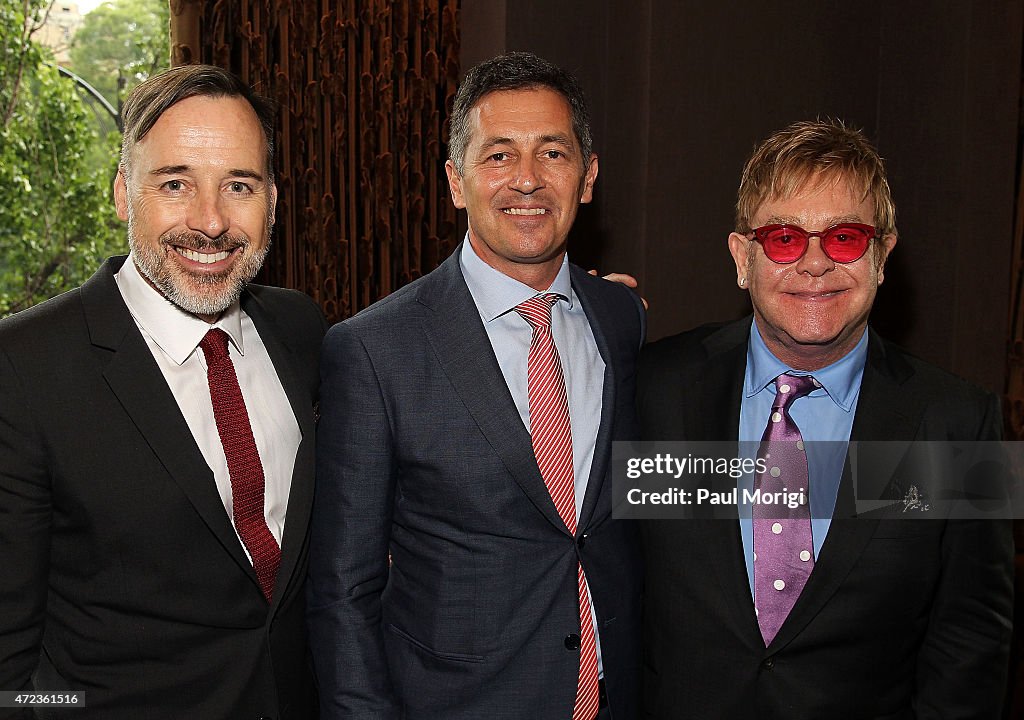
{"x": 350, "y": 535}
{"x": 642, "y": 311}
{"x": 24, "y": 535}
{"x": 963, "y": 662}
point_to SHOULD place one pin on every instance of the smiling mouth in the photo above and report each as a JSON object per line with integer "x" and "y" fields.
{"x": 825, "y": 295}
{"x": 203, "y": 258}
{"x": 524, "y": 211}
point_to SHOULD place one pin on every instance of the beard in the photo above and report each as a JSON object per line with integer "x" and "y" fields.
{"x": 199, "y": 294}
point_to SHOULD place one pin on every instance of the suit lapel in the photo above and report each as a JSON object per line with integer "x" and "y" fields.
{"x": 846, "y": 540}
{"x": 884, "y": 411}
{"x": 718, "y": 391}
{"x": 458, "y": 339}
{"x": 713, "y": 415}
{"x": 598, "y": 312}
{"x": 300, "y": 493}
{"x": 135, "y": 379}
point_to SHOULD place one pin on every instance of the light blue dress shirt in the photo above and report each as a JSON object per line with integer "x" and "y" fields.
{"x": 824, "y": 415}
{"x": 496, "y": 296}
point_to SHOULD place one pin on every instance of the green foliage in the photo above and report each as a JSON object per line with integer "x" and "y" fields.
{"x": 129, "y": 39}
{"x": 57, "y": 220}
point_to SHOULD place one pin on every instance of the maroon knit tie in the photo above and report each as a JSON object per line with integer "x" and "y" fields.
{"x": 244, "y": 466}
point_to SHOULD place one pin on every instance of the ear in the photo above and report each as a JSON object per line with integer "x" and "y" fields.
{"x": 121, "y": 194}
{"x": 455, "y": 184}
{"x": 739, "y": 248}
{"x": 272, "y": 209}
{"x": 883, "y": 249}
{"x": 589, "y": 178}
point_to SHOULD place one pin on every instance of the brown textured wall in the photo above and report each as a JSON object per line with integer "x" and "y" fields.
{"x": 363, "y": 90}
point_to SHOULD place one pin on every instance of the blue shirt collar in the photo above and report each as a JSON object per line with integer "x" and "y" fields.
{"x": 840, "y": 380}
{"x": 495, "y": 293}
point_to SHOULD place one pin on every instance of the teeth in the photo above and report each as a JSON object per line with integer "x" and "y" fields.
{"x": 204, "y": 258}
{"x": 524, "y": 211}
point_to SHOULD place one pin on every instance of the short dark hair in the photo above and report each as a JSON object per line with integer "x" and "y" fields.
{"x": 151, "y": 98}
{"x": 515, "y": 71}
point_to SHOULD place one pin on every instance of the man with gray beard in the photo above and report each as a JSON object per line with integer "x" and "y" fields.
{"x": 156, "y": 439}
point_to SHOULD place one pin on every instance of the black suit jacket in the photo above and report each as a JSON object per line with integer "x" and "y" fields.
{"x": 422, "y": 454}
{"x": 900, "y": 619}
{"x": 123, "y": 576}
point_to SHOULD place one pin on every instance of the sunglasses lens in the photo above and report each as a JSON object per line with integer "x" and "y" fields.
{"x": 847, "y": 243}
{"x": 782, "y": 244}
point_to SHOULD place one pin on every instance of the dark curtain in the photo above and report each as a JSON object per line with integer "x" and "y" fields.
{"x": 364, "y": 90}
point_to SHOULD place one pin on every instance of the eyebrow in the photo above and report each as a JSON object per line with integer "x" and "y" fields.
{"x": 793, "y": 220}
{"x": 170, "y": 170}
{"x": 179, "y": 169}
{"x": 558, "y": 139}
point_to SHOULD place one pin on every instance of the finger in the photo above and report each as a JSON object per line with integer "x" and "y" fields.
{"x": 627, "y": 280}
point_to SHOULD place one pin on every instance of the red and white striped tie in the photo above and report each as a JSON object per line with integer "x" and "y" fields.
{"x": 552, "y": 445}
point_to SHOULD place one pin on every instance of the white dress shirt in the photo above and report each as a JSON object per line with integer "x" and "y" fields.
{"x": 173, "y": 337}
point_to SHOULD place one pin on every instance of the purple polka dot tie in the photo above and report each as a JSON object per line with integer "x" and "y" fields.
{"x": 783, "y": 547}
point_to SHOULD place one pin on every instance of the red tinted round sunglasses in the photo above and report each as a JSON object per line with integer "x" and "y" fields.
{"x": 842, "y": 243}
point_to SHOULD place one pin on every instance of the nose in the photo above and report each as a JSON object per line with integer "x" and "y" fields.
{"x": 207, "y": 214}
{"x": 527, "y": 175}
{"x": 815, "y": 262}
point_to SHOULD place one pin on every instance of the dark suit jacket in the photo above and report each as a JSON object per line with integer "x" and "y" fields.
{"x": 123, "y": 575}
{"x": 900, "y": 619}
{"x": 422, "y": 454}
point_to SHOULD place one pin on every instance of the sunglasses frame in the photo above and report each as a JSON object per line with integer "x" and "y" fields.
{"x": 822, "y": 235}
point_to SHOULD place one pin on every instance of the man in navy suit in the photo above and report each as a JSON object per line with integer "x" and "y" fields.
{"x": 862, "y": 617}
{"x": 453, "y": 573}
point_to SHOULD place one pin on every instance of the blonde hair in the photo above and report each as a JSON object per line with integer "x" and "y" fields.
{"x": 814, "y": 151}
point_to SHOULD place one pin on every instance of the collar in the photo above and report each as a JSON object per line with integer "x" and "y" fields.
{"x": 495, "y": 293}
{"x": 840, "y": 380}
{"x": 175, "y": 331}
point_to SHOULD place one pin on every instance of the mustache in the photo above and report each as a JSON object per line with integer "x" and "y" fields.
{"x": 200, "y": 242}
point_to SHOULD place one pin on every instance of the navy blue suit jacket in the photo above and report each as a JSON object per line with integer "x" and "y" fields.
{"x": 423, "y": 457}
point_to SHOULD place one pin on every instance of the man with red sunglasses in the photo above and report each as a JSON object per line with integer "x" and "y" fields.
{"x": 814, "y": 613}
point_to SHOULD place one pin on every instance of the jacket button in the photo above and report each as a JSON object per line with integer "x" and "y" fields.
{"x": 768, "y": 663}
{"x": 583, "y": 540}
{"x": 572, "y": 642}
